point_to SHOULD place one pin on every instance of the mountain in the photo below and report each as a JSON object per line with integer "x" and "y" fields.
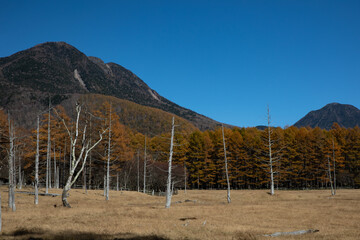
{"x": 58, "y": 69}
{"x": 345, "y": 115}
{"x": 261, "y": 127}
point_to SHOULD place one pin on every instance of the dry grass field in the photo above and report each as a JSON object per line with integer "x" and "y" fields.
{"x": 133, "y": 215}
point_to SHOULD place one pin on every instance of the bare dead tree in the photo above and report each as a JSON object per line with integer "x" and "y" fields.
{"x": 85, "y": 148}
{"x": 272, "y": 191}
{"x": 330, "y": 178}
{"x": 0, "y": 215}
{"x": 36, "y": 183}
{"x": 58, "y": 169}
{"x": 14, "y": 161}
{"x": 20, "y": 178}
{"x": 50, "y": 172}
{"x": 55, "y": 171}
{"x": 58, "y": 176}
{"x": 48, "y": 160}
{"x": 117, "y": 181}
{"x": 138, "y": 172}
{"x": 334, "y": 163}
{"x": 11, "y": 200}
{"x": 104, "y": 181}
{"x": 168, "y": 184}
{"x": 64, "y": 164}
{"x": 108, "y": 158}
{"x": 226, "y": 167}
{"x": 145, "y": 162}
{"x": 90, "y": 154}
{"x": 185, "y": 177}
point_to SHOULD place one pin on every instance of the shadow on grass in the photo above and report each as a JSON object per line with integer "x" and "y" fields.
{"x": 24, "y": 231}
{"x": 39, "y": 234}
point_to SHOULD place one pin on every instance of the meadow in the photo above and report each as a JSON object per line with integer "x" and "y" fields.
{"x": 205, "y": 215}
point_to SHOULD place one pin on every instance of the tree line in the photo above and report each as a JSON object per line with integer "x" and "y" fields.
{"x": 302, "y": 158}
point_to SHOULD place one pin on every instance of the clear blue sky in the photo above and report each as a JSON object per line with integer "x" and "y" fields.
{"x": 227, "y": 60}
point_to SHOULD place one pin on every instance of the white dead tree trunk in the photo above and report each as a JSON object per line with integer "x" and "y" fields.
{"x": 138, "y": 172}
{"x": 84, "y": 173}
{"x": 168, "y": 184}
{"x": 185, "y": 178}
{"x": 64, "y": 164}
{"x": 50, "y": 173}
{"x": 11, "y": 166}
{"x": 36, "y": 183}
{"x": 85, "y": 148}
{"x": 117, "y": 181}
{"x": 108, "y": 159}
{"x": 226, "y": 167}
{"x": 333, "y": 148}
{"x": 48, "y": 153}
{"x": 0, "y": 215}
{"x": 272, "y": 191}
{"x": 104, "y": 186}
{"x": 144, "y": 190}
{"x": 55, "y": 171}
{"x": 58, "y": 177}
{"x": 330, "y": 179}
{"x": 90, "y": 155}
{"x": 58, "y": 169}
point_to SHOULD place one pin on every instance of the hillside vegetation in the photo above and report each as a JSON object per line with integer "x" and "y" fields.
{"x": 146, "y": 120}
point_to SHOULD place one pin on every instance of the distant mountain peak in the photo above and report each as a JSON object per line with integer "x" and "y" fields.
{"x": 59, "y": 69}
{"x": 333, "y": 104}
{"x": 59, "y": 43}
{"x": 345, "y": 115}
{"x": 54, "y": 45}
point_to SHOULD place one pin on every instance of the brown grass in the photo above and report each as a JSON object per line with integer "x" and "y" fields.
{"x": 133, "y": 215}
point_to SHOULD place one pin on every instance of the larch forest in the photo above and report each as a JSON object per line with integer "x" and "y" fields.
{"x": 305, "y": 157}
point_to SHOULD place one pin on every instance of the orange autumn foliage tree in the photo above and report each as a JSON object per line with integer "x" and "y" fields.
{"x": 302, "y": 160}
